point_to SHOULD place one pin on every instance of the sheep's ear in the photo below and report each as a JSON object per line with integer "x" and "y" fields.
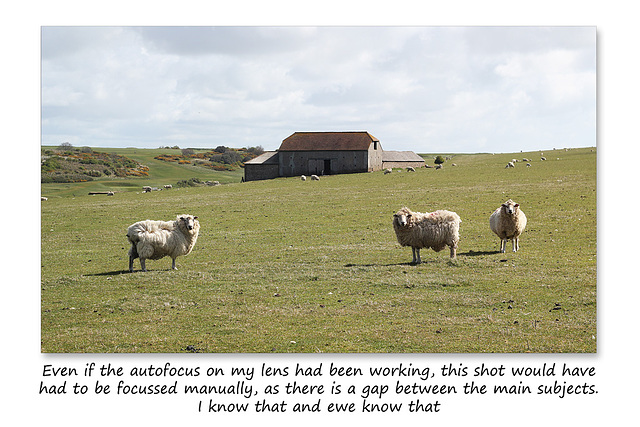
{"x": 516, "y": 205}
{"x": 195, "y": 217}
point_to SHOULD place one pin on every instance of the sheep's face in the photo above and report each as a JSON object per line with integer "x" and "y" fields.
{"x": 188, "y": 221}
{"x": 510, "y": 207}
{"x": 402, "y": 218}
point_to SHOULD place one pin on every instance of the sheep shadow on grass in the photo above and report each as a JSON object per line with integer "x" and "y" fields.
{"x": 478, "y": 253}
{"x": 108, "y": 273}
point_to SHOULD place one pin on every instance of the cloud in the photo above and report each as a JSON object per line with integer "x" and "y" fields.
{"x": 419, "y": 88}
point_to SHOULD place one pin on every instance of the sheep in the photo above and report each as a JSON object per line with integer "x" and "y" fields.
{"x": 411, "y": 169}
{"x": 388, "y": 170}
{"x": 433, "y": 230}
{"x": 510, "y": 165}
{"x": 528, "y": 165}
{"x": 157, "y": 239}
{"x": 439, "y": 166}
{"x": 110, "y": 193}
{"x": 543, "y": 158}
{"x": 315, "y": 178}
{"x": 508, "y": 222}
{"x": 168, "y": 186}
{"x": 43, "y": 199}
{"x": 146, "y": 189}
{"x": 304, "y": 178}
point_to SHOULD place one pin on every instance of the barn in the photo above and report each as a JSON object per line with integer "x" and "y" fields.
{"x": 401, "y": 159}
{"x": 328, "y": 153}
{"x": 322, "y": 153}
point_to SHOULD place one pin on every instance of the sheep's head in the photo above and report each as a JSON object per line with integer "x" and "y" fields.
{"x": 402, "y": 217}
{"x": 510, "y": 207}
{"x": 189, "y": 222}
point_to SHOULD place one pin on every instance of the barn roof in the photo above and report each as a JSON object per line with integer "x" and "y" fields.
{"x": 401, "y": 156}
{"x": 266, "y": 158}
{"x": 328, "y": 141}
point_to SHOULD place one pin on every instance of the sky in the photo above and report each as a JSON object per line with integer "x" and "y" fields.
{"x": 424, "y": 89}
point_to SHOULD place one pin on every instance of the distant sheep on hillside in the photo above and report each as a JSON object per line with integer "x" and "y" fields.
{"x": 508, "y": 223}
{"x": 157, "y": 239}
{"x": 315, "y": 178}
{"x": 433, "y": 230}
{"x": 510, "y": 165}
{"x": 388, "y": 170}
{"x": 304, "y": 178}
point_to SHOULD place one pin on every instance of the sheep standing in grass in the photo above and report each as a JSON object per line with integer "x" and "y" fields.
{"x": 508, "y": 222}
{"x": 157, "y": 239}
{"x": 433, "y": 230}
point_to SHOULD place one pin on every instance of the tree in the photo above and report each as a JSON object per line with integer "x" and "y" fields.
{"x": 439, "y": 160}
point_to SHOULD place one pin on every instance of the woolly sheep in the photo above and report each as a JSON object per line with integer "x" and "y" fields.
{"x": 433, "y": 230}
{"x": 315, "y": 178}
{"x": 388, "y": 170}
{"x": 508, "y": 222}
{"x": 439, "y": 166}
{"x": 304, "y": 178}
{"x": 42, "y": 198}
{"x": 510, "y": 165}
{"x": 528, "y": 165}
{"x": 157, "y": 239}
{"x": 543, "y": 158}
{"x": 168, "y": 186}
{"x": 410, "y": 169}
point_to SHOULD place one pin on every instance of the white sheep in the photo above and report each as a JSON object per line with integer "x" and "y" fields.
{"x": 439, "y": 166}
{"x": 42, "y": 198}
{"x": 543, "y": 158}
{"x": 304, "y": 178}
{"x": 411, "y": 169}
{"x": 510, "y": 165}
{"x": 315, "y": 178}
{"x": 508, "y": 222}
{"x": 433, "y": 230}
{"x": 168, "y": 186}
{"x": 388, "y": 170}
{"x": 157, "y": 239}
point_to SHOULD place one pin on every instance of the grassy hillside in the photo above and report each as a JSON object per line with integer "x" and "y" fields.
{"x": 160, "y": 173}
{"x": 291, "y": 266}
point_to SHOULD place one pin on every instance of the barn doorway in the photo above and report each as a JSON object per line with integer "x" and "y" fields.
{"x": 327, "y": 167}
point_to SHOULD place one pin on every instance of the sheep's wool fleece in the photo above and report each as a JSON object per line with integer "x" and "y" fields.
{"x": 157, "y": 239}
{"x": 434, "y": 230}
{"x": 505, "y": 225}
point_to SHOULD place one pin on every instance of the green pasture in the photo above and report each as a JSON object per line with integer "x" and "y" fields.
{"x": 290, "y": 266}
{"x": 160, "y": 174}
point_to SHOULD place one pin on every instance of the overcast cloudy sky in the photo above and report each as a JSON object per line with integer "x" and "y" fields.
{"x": 426, "y": 89}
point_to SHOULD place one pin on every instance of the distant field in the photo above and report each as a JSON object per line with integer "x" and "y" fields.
{"x": 291, "y": 266}
{"x": 160, "y": 173}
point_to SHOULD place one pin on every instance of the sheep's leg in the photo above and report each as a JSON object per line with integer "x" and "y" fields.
{"x": 452, "y": 251}
{"x": 503, "y": 245}
{"x": 173, "y": 264}
{"x": 131, "y": 264}
{"x": 418, "y": 260}
{"x": 515, "y": 244}
{"x": 143, "y": 264}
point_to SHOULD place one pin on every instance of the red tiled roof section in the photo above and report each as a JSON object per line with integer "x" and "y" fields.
{"x": 328, "y": 141}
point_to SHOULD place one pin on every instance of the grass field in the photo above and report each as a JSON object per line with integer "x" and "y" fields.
{"x": 161, "y": 173}
{"x": 291, "y": 266}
